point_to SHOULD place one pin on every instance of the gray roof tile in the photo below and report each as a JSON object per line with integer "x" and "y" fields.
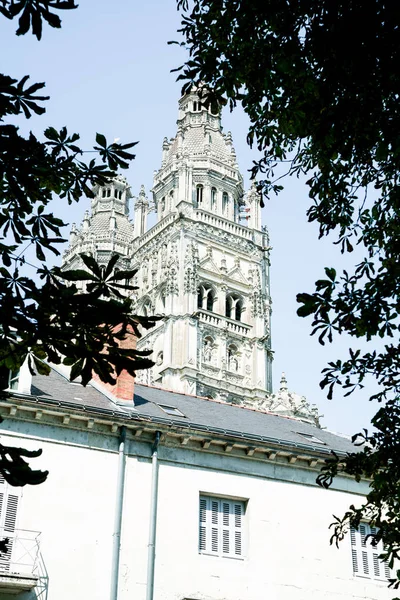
{"x": 199, "y": 413}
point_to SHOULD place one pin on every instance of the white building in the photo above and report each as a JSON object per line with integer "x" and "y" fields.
{"x": 203, "y": 487}
{"x": 238, "y": 517}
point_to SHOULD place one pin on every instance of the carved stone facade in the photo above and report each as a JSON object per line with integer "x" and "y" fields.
{"x": 204, "y": 265}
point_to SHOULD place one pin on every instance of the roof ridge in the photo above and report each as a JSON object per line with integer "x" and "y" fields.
{"x": 256, "y": 410}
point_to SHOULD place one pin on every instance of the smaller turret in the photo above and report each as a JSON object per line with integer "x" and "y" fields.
{"x": 141, "y": 204}
{"x": 106, "y": 229}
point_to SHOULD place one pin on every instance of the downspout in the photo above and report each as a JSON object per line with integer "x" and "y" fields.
{"x": 153, "y": 519}
{"x": 118, "y": 515}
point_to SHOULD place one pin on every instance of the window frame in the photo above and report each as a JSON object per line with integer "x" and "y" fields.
{"x": 222, "y": 527}
{"x": 171, "y": 411}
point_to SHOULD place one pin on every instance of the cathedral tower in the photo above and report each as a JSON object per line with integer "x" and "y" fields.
{"x": 205, "y": 267}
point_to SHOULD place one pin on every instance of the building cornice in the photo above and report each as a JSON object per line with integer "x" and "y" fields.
{"x": 182, "y": 434}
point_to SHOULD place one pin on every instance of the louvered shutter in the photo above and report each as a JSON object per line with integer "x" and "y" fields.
{"x": 355, "y": 550}
{"x": 365, "y": 556}
{"x": 203, "y": 525}
{"x": 220, "y": 526}
{"x": 238, "y": 519}
{"x": 9, "y": 500}
{"x": 214, "y": 514}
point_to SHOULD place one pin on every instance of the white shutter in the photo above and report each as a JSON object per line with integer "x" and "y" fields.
{"x": 226, "y": 526}
{"x": 214, "y": 513}
{"x": 354, "y": 549}
{"x": 220, "y": 526}
{"x": 365, "y": 556}
{"x": 203, "y": 525}
{"x": 9, "y": 500}
{"x": 238, "y": 514}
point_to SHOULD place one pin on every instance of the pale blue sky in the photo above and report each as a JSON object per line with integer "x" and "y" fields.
{"x": 108, "y": 70}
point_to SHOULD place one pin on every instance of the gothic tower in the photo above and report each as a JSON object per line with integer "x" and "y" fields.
{"x": 205, "y": 267}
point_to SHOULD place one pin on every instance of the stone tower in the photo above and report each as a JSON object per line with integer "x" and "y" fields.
{"x": 106, "y": 230}
{"x": 205, "y": 267}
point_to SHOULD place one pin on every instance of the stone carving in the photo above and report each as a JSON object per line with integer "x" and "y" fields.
{"x": 207, "y": 350}
{"x": 164, "y": 250}
{"x": 290, "y": 404}
{"x": 191, "y": 263}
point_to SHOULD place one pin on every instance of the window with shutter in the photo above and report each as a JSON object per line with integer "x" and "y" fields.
{"x": 365, "y": 556}
{"x": 221, "y": 527}
{"x": 9, "y": 501}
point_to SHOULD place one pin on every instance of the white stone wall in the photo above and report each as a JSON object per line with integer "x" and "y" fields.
{"x": 287, "y": 551}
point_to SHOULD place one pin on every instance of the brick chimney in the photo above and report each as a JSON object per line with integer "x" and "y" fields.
{"x": 123, "y": 389}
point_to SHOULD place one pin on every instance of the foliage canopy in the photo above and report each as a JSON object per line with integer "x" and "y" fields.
{"x": 320, "y": 83}
{"x": 43, "y": 317}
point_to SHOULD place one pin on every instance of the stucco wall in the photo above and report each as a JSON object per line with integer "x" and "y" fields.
{"x": 287, "y": 552}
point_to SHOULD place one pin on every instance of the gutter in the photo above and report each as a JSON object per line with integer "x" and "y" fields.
{"x": 153, "y": 519}
{"x": 118, "y": 515}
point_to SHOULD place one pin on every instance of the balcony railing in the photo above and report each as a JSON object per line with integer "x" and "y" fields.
{"x": 19, "y": 566}
{"x": 224, "y": 322}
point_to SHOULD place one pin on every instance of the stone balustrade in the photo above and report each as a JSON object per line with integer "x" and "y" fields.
{"x": 221, "y": 321}
{"x": 224, "y": 224}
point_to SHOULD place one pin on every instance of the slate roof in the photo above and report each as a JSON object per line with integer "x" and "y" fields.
{"x": 198, "y": 414}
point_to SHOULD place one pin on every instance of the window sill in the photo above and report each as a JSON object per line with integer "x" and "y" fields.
{"x": 241, "y": 558}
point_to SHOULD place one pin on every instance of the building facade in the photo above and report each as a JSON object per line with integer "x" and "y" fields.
{"x": 175, "y": 498}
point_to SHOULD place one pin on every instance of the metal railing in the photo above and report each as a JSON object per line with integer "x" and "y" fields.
{"x": 22, "y": 556}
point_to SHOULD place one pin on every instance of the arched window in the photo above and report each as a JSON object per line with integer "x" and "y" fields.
{"x": 214, "y": 108}
{"x": 228, "y": 306}
{"x": 234, "y": 307}
{"x": 238, "y": 309}
{"x": 200, "y": 297}
{"x": 146, "y": 308}
{"x": 108, "y": 192}
{"x": 103, "y": 194}
{"x": 206, "y": 298}
{"x": 210, "y": 299}
{"x": 199, "y": 194}
{"x": 225, "y": 202}
{"x": 120, "y": 195}
{"x": 213, "y": 198}
{"x": 195, "y": 106}
{"x": 115, "y": 193}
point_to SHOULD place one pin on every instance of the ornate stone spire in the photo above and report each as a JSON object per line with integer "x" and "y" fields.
{"x": 290, "y": 404}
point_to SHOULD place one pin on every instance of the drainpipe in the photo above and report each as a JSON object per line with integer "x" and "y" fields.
{"x": 153, "y": 519}
{"x": 118, "y": 515}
